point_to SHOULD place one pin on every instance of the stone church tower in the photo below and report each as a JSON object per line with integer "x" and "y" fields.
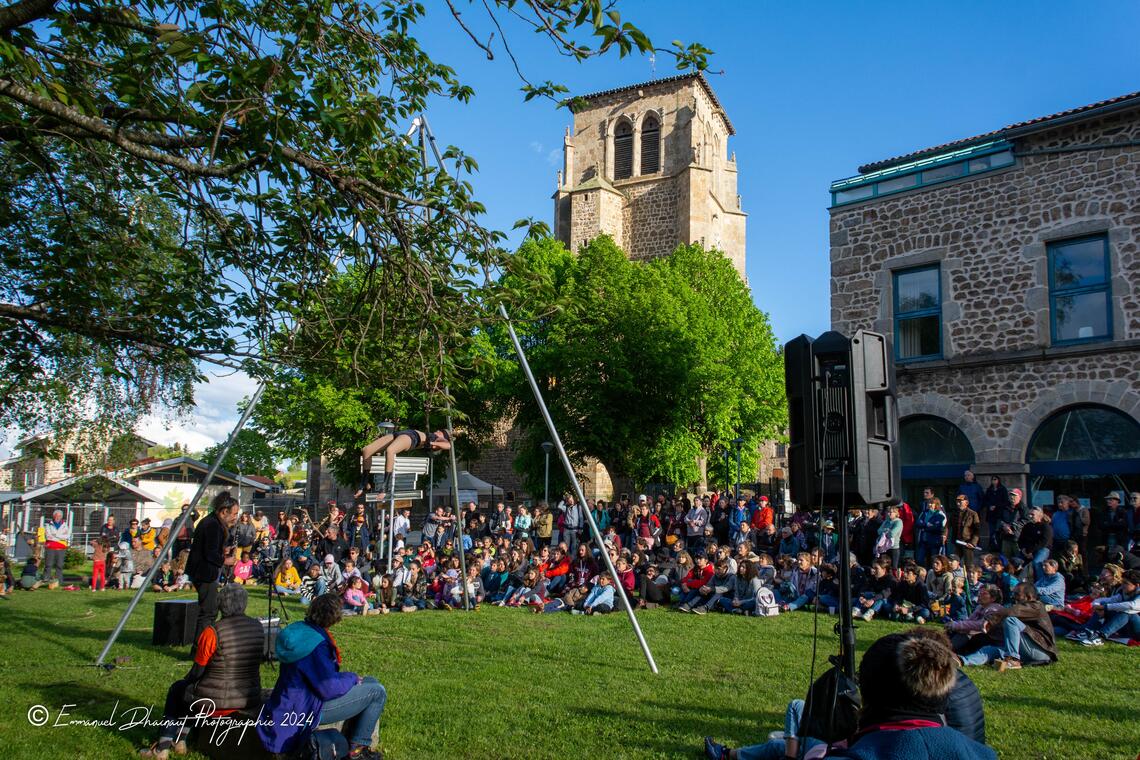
{"x": 648, "y": 165}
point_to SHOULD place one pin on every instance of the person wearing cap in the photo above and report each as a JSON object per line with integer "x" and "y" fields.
{"x": 968, "y": 527}
{"x": 828, "y": 541}
{"x": 1114, "y": 523}
{"x": 762, "y": 515}
{"x": 1012, "y": 520}
{"x": 332, "y": 578}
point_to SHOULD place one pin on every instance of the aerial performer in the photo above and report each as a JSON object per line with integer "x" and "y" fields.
{"x": 393, "y": 444}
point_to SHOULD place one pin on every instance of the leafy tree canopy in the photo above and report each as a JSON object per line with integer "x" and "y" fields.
{"x": 228, "y": 182}
{"x": 649, "y": 367}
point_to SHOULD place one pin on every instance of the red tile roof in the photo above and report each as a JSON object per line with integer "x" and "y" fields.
{"x": 666, "y": 80}
{"x": 1013, "y": 130}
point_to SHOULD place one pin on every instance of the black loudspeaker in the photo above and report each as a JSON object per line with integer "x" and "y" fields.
{"x": 175, "y": 621}
{"x": 843, "y": 422}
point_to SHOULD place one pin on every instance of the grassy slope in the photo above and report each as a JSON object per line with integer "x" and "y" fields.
{"x": 508, "y": 684}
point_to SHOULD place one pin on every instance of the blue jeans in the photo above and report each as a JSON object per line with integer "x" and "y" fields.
{"x": 1114, "y": 622}
{"x": 1014, "y": 645}
{"x": 747, "y": 606}
{"x": 411, "y": 601}
{"x": 1038, "y": 557}
{"x": 775, "y": 749}
{"x": 928, "y": 549}
{"x": 692, "y": 598}
{"x": 800, "y": 601}
{"x": 360, "y": 708}
{"x": 826, "y": 601}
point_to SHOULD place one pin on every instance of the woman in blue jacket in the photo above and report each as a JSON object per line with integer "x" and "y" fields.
{"x": 311, "y": 690}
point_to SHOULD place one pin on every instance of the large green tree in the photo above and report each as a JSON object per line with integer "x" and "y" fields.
{"x": 250, "y": 454}
{"x": 196, "y": 182}
{"x": 649, "y": 367}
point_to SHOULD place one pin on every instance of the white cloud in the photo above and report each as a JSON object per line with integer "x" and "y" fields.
{"x": 212, "y": 419}
{"x": 536, "y": 146}
{"x": 554, "y": 157}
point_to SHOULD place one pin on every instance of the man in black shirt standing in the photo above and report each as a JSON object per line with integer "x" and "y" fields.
{"x": 208, "y": 555}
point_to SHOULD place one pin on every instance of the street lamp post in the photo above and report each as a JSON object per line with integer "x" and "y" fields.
{"x": 547, "y": 447}
{"x": 727, "y": 469}
{"x": 738, "y": 442}
{"x": 384, "y": 428}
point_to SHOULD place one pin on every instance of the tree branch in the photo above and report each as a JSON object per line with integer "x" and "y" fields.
{"x": 24, "y": 12}
{"x": 131, "y": 142}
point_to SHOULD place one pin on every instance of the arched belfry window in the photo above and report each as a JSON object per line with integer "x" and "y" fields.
{"x": 650, "y": 145}
{"x": 623, "y": 150}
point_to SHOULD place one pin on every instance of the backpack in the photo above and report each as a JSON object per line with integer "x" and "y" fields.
{"x": 766, "y": 605}
{"x": 831, "y": 710}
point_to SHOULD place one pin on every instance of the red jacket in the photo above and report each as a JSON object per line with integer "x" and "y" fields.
{"x": 559, "y": 568}
{"x": 762, "y": 518}
{"x": 907, "y": 517}
{"x": 697, "y": 577}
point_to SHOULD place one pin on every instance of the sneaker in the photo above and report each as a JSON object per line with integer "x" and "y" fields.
{"x": 869, "y": 615}
{"x": 1008, "y": 663}
{"x": 1093, "y": 641}
{"x": 408, "y": 608}
{"x": 684, "y": 608}
{"x": 700, "y": 610}
{"x": 156, "y": 752}
{"x": 920, "y": 620}
{"x": 445, "y": 607}
{"x": 715, "y": 751}
{"x": 1076, "y": 635}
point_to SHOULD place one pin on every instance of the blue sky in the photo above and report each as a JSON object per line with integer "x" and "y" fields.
{"x": 814, "y": 90}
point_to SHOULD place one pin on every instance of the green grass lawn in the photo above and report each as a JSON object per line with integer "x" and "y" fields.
{"x": 508, "y": 684}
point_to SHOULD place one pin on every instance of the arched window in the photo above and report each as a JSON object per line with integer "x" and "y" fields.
{"x": 933, "y": 453}
{"x": 1086, "y": 433}
{"x": 650, "y": 145}
{"x": 925, "y": 441}
{"x": 1086, "y": 452}
{"x": 623, "y": 150}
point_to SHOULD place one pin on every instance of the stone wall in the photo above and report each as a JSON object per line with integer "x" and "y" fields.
{"x": 692, "y": 198}
{"x": 1000, "y": 376}
{"x": 650, "y": 219}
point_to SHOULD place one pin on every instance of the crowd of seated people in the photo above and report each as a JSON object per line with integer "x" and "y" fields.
{"x": 964, "y": 567}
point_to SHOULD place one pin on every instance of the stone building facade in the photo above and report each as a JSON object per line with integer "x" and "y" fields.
{"x": 1004, "y": 266}
{"x": 648, "y": 164}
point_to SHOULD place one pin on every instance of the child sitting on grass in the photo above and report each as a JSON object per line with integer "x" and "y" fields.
{"x": 309, "y": 585}
{"x": 599, "y": 601}
{"x": 912, "y": 598}
{"x": 355, "y": 598}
